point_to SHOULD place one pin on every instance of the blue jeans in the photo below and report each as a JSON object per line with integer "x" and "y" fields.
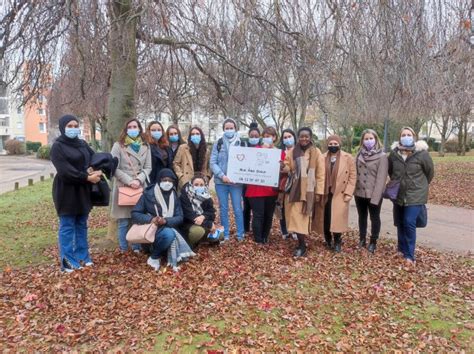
{"x": 163, "y": 239}
{"x": 404, "y": 218}
{"x": 72, "y": 240}
{"x": 123, "y": 225}
{"x": 235, "y": 191}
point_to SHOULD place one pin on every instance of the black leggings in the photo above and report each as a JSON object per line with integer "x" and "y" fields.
{"x": 327, "y": 220}
{"x": 363, "y": 209}
{"x": 247, "y": 214}
{"x": 262, "y": 217}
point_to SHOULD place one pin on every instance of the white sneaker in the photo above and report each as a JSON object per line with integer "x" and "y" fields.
{"x": 154, "y": 263}
{"x": 285, "y": 236}
{"x": 89, "y": 264}
{"x": 295, "y": 236}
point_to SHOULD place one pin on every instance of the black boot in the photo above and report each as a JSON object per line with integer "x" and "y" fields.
{"x": 301, "y": 250}
{"x": 372, "y": 245}
{"x": 337, "y": 243}
{"x": 328, "y": 239}
{"x": 362, "y": 242}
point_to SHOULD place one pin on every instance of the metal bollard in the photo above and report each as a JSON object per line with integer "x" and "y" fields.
{"x": 41, "y": 178}
{"x": 30, "y": 181}
{"x": 17, "y": 186}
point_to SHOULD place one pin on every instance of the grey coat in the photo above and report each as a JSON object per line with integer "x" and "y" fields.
{"x": 372, "y": 172}
{"x": 124, "y": 174}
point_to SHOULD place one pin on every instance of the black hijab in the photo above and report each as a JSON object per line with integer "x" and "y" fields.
{"x": 75, "y": 142}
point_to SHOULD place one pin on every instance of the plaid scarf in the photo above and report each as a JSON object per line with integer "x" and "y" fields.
{"x": 196, "y": 199}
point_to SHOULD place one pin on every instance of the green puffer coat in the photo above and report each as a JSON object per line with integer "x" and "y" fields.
{"x": 415, "y": 174}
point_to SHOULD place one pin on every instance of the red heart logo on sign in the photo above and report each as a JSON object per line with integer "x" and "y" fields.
{"x": 240, "y": 157}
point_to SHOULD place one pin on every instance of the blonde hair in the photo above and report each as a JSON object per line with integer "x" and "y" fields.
{"x": 378, "y": 144}
{"x": 415, "y": 137}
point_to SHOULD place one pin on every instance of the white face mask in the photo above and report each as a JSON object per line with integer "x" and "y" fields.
{"x": 166, "y": 186}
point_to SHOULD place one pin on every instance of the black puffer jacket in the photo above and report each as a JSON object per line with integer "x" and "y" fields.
{"x": 415, "y": 174}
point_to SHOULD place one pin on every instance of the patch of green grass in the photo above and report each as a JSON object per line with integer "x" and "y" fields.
{"x": 29, "y": 225}
{"x": 452, "y": 157}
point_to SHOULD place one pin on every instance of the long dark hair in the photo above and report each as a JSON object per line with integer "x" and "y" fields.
{"x": 198, "y": 154}
{"x": 123, "y": 134}
{"x": 282, "y": 146}
{"x": 162, "y": 142}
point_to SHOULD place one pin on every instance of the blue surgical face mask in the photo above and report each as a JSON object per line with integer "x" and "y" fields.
{"x": 133, "y": 133}
{"x": 157, "y": 135}
{"x": 254, "y": 141}
{"x": 229, "y": 133}
{"x": 406, "y": 140}
{"x": 174, "y": 138}
{"x": 72, "y": 133}
{"x": 267, "y": 141}
{"x": 200, "y": 190}
{"x": 196, "y": 139}
{"x": 289, "y": 141}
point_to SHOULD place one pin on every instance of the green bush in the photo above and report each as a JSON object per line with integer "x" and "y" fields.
{"x": 44, "y": 152}
{"x": 33, "y": 146}
{"x": 15, "y": 147}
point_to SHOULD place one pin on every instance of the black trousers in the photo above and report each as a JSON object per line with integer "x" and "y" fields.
{"x": 327, "y": 222}
{"x": 247, "y": 214}
{"x": 363, "y": 209}
{"x": 262, "y": 217}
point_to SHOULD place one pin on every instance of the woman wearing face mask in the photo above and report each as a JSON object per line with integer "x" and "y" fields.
{"x": 254, "y": 141}
{"x": 133, "y": 169}
{"x": 161, "y": 153}
{"x": 192, "y": 158}
{"x": 287, "y": 144}
{"x": 409, "y": 163}
{"x": 198, "y": 210}
{"x": 332, "y": 214}
{"x": 169, "y": 218}
{"x": 224, "y": 186}
{"x": 174, "y": 137}
{"x": 263, "y": 198}
{"x": 372, "y": 170}
{"x": 306, "y": 169}
{"x": 71, "y": 157}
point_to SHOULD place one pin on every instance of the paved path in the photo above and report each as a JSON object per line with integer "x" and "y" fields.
{"x": 448, "y": 229}
{"x": 20, "y": 169}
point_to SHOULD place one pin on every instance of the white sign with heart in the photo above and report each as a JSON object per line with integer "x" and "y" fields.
{"x": 258, "y": 166}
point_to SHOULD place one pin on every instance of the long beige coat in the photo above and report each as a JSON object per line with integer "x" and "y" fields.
{"x": 296, "y": 221}
{"x": 183, "y": 165}
{"x": 345, "y": 185}
{"x": 124, "y": 174}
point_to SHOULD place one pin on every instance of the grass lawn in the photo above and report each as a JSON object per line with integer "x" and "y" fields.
{"x": 238, "y": 296}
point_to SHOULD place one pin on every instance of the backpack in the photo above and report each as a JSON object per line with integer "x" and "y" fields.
{"x": 221, "y": 141}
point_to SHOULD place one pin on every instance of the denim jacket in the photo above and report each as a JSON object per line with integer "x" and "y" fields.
{"x": 219, "y": 160}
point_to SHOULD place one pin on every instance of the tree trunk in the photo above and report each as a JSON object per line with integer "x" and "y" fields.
{"x": 123, "y": 56}
{"x": 92, "y": 128}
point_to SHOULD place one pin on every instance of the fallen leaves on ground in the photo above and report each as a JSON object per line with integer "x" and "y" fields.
{"x": 243, "y": 296}
{"x": 452, "y": 184}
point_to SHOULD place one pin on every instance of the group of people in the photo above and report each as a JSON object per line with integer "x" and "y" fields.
{"x": 172, "y": 175}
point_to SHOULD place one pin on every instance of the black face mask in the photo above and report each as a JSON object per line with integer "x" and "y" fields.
{"x": 333, "y": 149}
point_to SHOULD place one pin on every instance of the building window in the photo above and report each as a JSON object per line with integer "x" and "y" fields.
{"x": 41, "y": 111}
{"x": 41, "y": 99}
{"x": 3, "y": 98}
{"x": 42, "y": 127}
{"x": 18, "y": 110}
{"x": 19, "y": 125}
